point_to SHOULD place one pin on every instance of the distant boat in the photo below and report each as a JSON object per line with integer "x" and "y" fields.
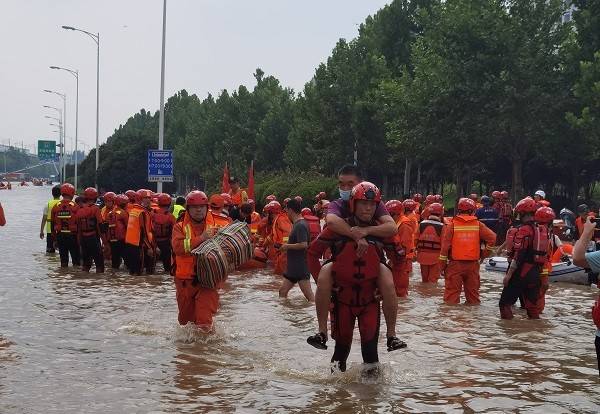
{"x": 565, "y": 272}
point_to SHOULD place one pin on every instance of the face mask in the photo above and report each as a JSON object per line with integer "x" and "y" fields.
{"x": 345, "y": 194}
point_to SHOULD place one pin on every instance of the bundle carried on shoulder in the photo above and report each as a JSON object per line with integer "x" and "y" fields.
{"x": 226, "y": 251}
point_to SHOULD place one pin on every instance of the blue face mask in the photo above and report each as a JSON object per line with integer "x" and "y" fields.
{"x": 345, "y": 194}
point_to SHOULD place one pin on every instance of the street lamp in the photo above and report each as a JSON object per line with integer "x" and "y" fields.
{"x": 60, "y": 138}
{"x": 63, "y": 148}
{"x": 161, "y": 117}
{"x": 95, "y": 38}
{"x": 75, "y": 73}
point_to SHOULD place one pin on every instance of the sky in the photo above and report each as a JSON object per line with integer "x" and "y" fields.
{"x": 211, "y": 45}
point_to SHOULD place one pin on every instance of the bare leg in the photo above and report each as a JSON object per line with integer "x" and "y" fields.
{"x": 285, "y": 288}
{"x": 385, "y": 284}
{"x": 306, "y": 290}
{"x": 323, "y": 296}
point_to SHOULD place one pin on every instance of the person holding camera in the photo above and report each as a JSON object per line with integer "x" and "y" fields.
{"x": 590, "y": 260}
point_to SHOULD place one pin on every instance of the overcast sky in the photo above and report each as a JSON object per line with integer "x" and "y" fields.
{"x": 211, "y": 45}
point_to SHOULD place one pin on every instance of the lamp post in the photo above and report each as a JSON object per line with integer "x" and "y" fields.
{"x": 161, "y": 117}
{"x": 61, "y": 139}
{"x": 95, "y": 38}
{"x": 75, "y": 73}
{"x": 64, "y": 129}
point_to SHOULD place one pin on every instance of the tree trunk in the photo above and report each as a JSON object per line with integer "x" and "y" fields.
{"x": 517, "y": 178}
{"x": 459, "y": 183}
{"x": 406, "y": 177}
{"x": 418, "y": 177}
{"x": 385, "y": 185}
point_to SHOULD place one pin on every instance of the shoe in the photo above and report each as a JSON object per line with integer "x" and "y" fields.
{"x": 393, "y": 343}
{"x": 318, "y": 340}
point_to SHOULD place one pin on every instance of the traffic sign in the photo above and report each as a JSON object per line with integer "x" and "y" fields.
{"x": 160, "y": 166}
{"x": 46, "y": 150}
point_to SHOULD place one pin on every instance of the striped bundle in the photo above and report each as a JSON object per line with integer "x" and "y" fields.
{"x": 229, "y": 249}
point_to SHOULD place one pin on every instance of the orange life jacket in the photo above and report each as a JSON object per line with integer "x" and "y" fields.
{"x": 531, "y": 244}
{"x": 465, "y": 240}
{"x": 117, "y": 224}
{"x": 162, "y": 225}
{"x": 185, "y": 265}
{"x": 407, "y": 246}
{"x": 282, "y": 226}
{"x": 65, "y": 217}
{"x": 429, "y": 242}
{"x": 138, "y": 226}
{"x": 237, "y": 199}
{"x": 217, "y": 221}
{"x": 87, "y": 217}
{"x": 314, "y": 226}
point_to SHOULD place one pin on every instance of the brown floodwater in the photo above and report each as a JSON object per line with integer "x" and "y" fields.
{"x": 76, "y": 342}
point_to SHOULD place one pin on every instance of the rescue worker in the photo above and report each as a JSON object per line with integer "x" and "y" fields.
{"x": 64, "y": 217}
{"x": 429, "y": 244}
{"x": 162, "y": 229}
{"x": 196, "y": 304}
{"x": 89, "y": 220}
{"x": 544, "y": 216}
{"x": 505, "y": 211}
{"x": 139, "y": 241}
{"x": 216, "y": 218}
{"x": 255, "y": 220}
{"x": 527, "y": 247}
{"x": 402, "y": 258}
{"x": 354, "y": 279}
{"x": 460, "y": 253}
{"x": 269, "y": 198}
{"x": 540, "y": 199}
{"x": 132, "y": 197}
{"x": 282, "y": 226}
{"x": 418, "y": 198}
{"x": 238, "y": 195}
{"x": 117, "y": 220}
{"x": 313, "y": 223}
{"x": 488, "y": 215}
{"x": 265, "y": 229}
{"x": 46, "y": 226}
{"x": 178, "y": 207}
{"x": 109, "y": 203}
{"x": 429, "y": 200}
{"x": 227, "y": 205}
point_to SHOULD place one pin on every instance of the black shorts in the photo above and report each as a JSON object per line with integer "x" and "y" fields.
{"x": 294, "y": 279}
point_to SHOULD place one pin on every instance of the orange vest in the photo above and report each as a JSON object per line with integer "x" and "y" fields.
{"x": 185, "y": 266}
{"x": 281, "y": 229}
{"x": 254, "y": 222}
{"x": 237, "y": 198}
{"x": 465, "y": 239}
{"x": 429, "y": 242}
{"x": 139, "y": 219}
{"x": 217, "y": 221}
{"x": 407, "y": 243}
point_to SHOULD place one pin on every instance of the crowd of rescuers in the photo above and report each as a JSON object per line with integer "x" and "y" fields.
{"x": 358, "y": 249}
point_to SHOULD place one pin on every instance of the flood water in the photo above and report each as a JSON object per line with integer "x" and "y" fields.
{"x": 75, "y": 342}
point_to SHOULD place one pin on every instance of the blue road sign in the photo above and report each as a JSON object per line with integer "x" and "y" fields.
{"x": 160, "y": 166}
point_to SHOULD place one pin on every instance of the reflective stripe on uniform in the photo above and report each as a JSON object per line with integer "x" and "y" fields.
{"x": 187, "y": 242}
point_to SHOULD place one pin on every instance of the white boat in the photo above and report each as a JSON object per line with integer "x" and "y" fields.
{"x": 565, "y": 272}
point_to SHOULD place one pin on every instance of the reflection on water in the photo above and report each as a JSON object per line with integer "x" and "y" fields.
{"x": 75, "y": 342}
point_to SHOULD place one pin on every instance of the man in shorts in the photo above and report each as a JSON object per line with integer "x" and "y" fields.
{"x": 295, "y": 248}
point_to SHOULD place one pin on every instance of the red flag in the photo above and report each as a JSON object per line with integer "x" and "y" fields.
{"x": 250, "y": 190}
{"x": 225, "y": 182}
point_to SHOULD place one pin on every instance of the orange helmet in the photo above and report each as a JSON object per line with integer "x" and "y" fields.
{"x": 466, "y": 204}
{"x": 526, "y": 205}
{"x": 544, "y": 215}
{"x": 196, "y": 198}
{"x": 67, "y": 190}
{"x": 298, "y": 199}
{"x": 109, "y": 197}
{"x": 122, "y": 200}
{"x": 504, "y": 195}
{"x": 227, "y": 199}
{"x": 285, "y": 201}
{"x": 164, "y": 200}
{"x": 410, "y": 204}
{"x": 306, "y": 212}
{"x": 273, "y": 207}
{"x": 394, "y": 207}
{"x": 436, "y": 209}
{"x": 144, "y": 193}
{"x": 90, "y": 193}
{"x": 217, "y": 201}
{"x": 438, "y": 198}
{"x": 364, "y": 191}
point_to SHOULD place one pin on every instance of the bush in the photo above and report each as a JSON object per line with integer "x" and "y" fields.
{"x": 288, "y": 184}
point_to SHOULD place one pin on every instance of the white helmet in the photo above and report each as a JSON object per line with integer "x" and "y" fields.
{"x": 541, "y": 193}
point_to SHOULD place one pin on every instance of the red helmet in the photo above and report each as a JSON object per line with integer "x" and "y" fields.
{"x": 227, "y": 198}
{"x": 196, "y": 198}
{"x": 474, "y": 197}
{"x": 436, "y": 209}
{"x": 270, "y": 198}
{"x": 417, "y": 197}
{"x": 109, "y": 197}
{"x": 364, "y": 191}
{"x": 144, "y": 193}
{"x": 67, "y": 190}
{"x": 504, "y": 195}
{"x": 164, "y": 200}
{"x": 273, "y": 207}
{"x": 394, "y": 207}
{"x": 298, "y": 199}
{"x": 306, "y": 212}
{"x": 544, "y": 215}
{"x": 466, "y": 204}
{"x": 496, "y": 195}
{"x": 90, "y": 193}
{"x": 131, "y": 195}
{"x": 409, "y": 204}
{"x": 285, "y": 201}
{"x": 526, "y": 205}
{"x": 216, "y": 201}
{"x": 122, "y": 200}
{"x": 429, "y": 199}
{"x": 438, "y": 198}
{"x": 320, "y": 196}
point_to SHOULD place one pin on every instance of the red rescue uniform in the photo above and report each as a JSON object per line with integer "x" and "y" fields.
{"x": 282, "y": 226}
{"x": 88, "y": 227}
{"x": 429, "y": 244}
{"x": 64, "y": 218}
{"x": 403, "y": 256}
{"x": 117, "y": 220}
{"x": 162, "y": 229}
